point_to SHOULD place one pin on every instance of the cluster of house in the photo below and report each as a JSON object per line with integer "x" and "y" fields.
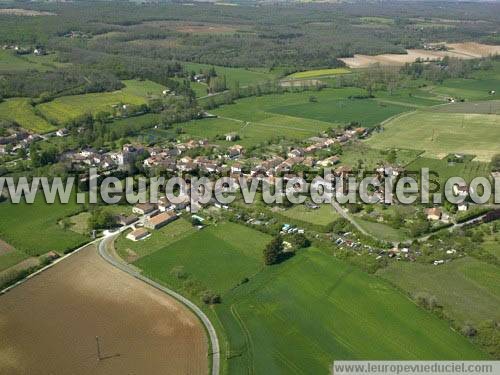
{"x": 37, "y": 51}
{"x": 156, "y": 216}
{"x": 17, "y": 139}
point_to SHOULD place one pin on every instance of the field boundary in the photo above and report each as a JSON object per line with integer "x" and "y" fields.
{"x": 43, "y": 269}
{"x": 214, "y": 342}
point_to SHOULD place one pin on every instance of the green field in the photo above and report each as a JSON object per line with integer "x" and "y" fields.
{"x": 11, "y": 258}
{"x": 468, "y": 89}
{"x": 440, "y": 170}
{"x": 244, "y": 76}
{"x": 34, "y": 229}
{"x": 371, "y": 158}
{"x": 487, "y": 107}
{"x": 158, "y": 240}
{"x": 367, "y": 112}
{"x": 11, "y": 62}
{"x": 299, "y": 317}
{"x": 65, "y": 108}
{"x": 439, "y": 134}
{"x": 20, "y": 111}
{"x": 383, "y": 231}
{"x": 319, "y": 73}
{"x": 468, "y": 289}
{"x": 214, "y": 258}
{"x": 323, "y": 215}
{"x": 261, "y": 118}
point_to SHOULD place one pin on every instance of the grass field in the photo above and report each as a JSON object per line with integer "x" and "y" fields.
{"x": 319, "y": 73}
{"x": 214, "y": 258}
{"x": 11, "y": 258}
{"x": 9, "y": 61}
{"x": 440, "y": 170}
{"x": 243, "y": 76}
{"x": 291, "y": 115}
{"x": 20, "y": 111}
{"x": 468, "y": 89}
{"x": 323, "y": 215}
{"x": 66, "y": 108}
{"x": 371, "y": 158}
{"x": 366, "y": 112}
{"x": 383, "y": 231}
{"x": 487, "y": 107}
{"x": 468, "y": 289}
{"x": 439, "y": 134}
{"x": 158, "y": 240}
{"x": 34, "y": 229}
{"x": 300, "y": 316}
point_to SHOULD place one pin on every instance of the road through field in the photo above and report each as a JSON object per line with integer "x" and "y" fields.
{"x": 200, "y": 314}
{"x": 49, "y": 324}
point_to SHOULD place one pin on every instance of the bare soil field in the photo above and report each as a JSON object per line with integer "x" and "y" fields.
{"x": 467, "y": 50}
{"x": 49, "y": 324}
{"x": 25, "y": 12}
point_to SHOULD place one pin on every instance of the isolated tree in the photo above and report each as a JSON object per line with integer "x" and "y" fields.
{"x": 495, "y": 162}
{"x": 273, "y": 251}
{"x": 300, "y": 241}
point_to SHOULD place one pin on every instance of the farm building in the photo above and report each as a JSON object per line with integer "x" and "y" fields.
{"x": 126, "y": 220}
{"x": 434, "y": 214}
{"x": 143, "y": 208}
{"x": 160, "y": 220}
{"x": 138, "y": 234}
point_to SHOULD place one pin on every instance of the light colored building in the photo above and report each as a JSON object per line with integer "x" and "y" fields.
{"x": 160, "y": 220}
{"x": 138, "y": 234}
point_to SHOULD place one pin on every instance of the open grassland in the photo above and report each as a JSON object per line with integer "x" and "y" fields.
{"x": 10, "y": 62}
{"x": 11, "y": 258}
{"x": 34, "y": 229}
{"x": 159, "y": 239}
{"x": 242, "y": 75}
{"x": 476, "y": 87}
{"x": 215, "y": 258}
{"x": 368, "y": 158}
{"x": 322, "y": 216}
{"x": 319, "y": 73}
{"x": 468, "y": 89}
{"x": 487, "y": 107}
{"x": 300, "y": 316}
{"x": 20, "y": 111}
{"x": 366, "y": 112}
{"x": 141, "y": 330}
{"x": 252, "y": 133}
{"x": 440, "y": 134}
{"x": 440, "y": 170}
{"x": 468, "y": 289}
{"x": 66, "y": 108}
{"x": 290, "y": 115}
{"x": 383, "y": 231}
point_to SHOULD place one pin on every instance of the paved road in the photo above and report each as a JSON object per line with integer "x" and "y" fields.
{"x": 349, "y": 218}
{"x": 201, "y": 315}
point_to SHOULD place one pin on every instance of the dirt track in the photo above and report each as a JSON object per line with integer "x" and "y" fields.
{"x": 48, "y": 325}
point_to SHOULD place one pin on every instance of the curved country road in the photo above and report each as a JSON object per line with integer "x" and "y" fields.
{"x": 201, "y": 315}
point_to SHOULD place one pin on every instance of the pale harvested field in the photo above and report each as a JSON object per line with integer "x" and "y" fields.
{"x": 48, "y": 325}
{"x": 467, "y": 50}
{"x": 25, "y": 12}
